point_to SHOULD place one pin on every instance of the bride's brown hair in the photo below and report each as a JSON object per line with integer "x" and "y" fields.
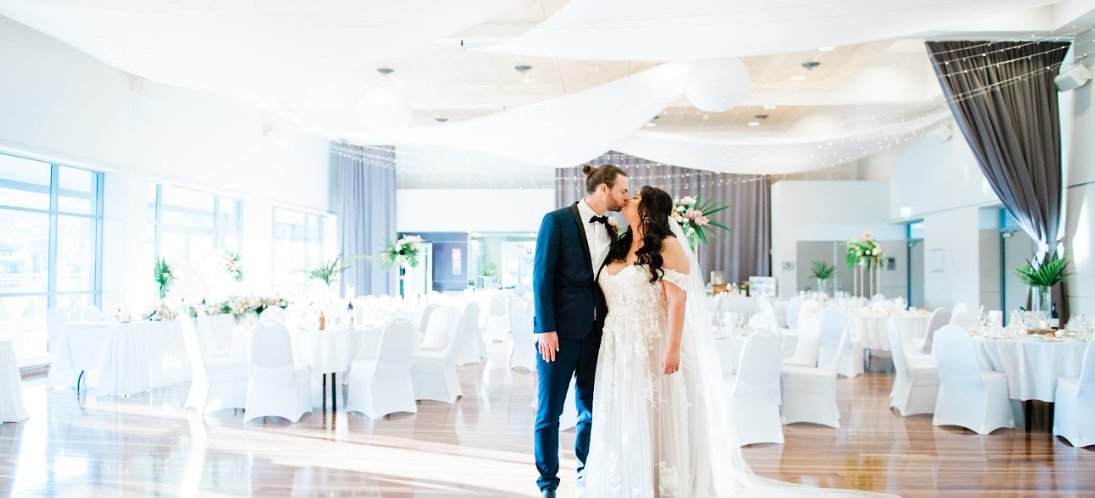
{"x": 654, "y": 211}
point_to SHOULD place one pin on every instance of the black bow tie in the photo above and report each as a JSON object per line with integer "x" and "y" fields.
{"x": 599, "y": 219}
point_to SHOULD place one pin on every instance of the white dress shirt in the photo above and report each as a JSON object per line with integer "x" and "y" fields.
{"x": 596, "y": 236}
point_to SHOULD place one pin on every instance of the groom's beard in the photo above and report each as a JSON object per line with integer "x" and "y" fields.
{"x": 616, "y": 206}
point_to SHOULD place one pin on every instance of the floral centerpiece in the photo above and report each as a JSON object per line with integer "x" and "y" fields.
{"x": 232, "y": 265}
{"x": 241, "y": 305}
{"x": 693, "y": 214}
{"x": 865, "y": 251}
{"x": 1043, "y": 274}
{"x": 403, "y": 252}
{"x": 164, "y": 277}
{"x": 158, "y": 313}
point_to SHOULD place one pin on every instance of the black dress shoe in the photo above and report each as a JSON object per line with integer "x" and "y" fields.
{"x": 548, "y": 493}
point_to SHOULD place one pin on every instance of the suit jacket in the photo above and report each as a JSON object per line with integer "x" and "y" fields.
{"x": 568, "y": 300}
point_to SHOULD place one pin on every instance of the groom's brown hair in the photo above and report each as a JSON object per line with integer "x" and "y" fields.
{"x": 605, "y": 173}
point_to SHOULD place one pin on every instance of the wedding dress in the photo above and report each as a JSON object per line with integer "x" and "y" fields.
{"x": 657, "y": 435}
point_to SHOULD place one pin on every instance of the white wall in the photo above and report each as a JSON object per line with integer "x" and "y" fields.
{"x": 1080, "y": 215}
{"x": 60, "y": 105}
{"x": 825, "y": 210}
{"x": 470, "y": 210}
{"x": 932, "y": 176}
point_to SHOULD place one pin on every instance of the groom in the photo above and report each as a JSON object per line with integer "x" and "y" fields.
{"x": 570, "y": 311}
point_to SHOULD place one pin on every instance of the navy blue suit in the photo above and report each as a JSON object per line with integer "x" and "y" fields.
{"x": 570, "y": 303}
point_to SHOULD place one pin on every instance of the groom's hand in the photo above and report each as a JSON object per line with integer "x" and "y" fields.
{"x": 548, "y": 344}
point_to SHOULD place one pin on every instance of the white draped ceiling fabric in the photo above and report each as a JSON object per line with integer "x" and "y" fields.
{"x": 712, "y": 29}
{"x": 559, "y": 132}
{"x": 263, "y": 47}
{"x": 777, "y": 155}
{"x": 243, "y": 45}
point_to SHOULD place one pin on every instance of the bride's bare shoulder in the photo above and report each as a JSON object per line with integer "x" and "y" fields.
{"x": 673, "y": 255}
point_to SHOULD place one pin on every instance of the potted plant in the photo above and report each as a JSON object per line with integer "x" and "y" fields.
{"x": 822, "y": 271}
{"x": 164, "y": 277}
{"x": 328, "y": 272}
{"x": 487, "y": 273}
{"x": 1042, "y": 274}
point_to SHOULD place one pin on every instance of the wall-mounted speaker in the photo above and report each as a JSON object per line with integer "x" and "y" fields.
{"x": 1072, "y": 78}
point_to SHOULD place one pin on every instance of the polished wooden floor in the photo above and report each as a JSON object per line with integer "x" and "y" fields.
{"x": 148, "y": 445}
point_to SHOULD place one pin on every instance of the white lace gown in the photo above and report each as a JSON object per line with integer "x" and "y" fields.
{"x": 657, "y": 435}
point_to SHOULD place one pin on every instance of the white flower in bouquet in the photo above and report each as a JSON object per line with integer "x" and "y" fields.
{"x": 688, "y": 201}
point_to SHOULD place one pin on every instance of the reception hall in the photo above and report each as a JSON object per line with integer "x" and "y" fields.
{"x": 298, "y": 249}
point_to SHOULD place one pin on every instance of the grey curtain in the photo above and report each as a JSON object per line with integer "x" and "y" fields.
{"x": 1005, "y": 102}
{"x": 742, "y": 252}
{"x": 366, "y": 214}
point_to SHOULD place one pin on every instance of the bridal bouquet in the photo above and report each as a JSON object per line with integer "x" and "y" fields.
{"x": 864, "y": 251}
{"x": 232, "y": 265}
{"x": 404, "y": 252}
{"x": 693, "y": 214}
{"x": 164, "y": 276}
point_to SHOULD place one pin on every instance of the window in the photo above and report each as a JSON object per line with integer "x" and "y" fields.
{"x": 298, "y": 247}
{"x": 191, "y": 229}
{"x": 51, "y": 218}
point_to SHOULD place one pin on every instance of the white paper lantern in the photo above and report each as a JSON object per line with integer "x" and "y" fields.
{"x": 716, "y": 85}
{"x": 384, "y": 108}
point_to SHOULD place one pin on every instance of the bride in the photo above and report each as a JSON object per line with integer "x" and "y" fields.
{"x": 659, "y": 422}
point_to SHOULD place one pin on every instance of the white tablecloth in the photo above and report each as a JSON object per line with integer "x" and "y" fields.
{"x": 871, "y": 328}
{"x": 744, "y": 306}
{"x": 129, "y": 358}
{"x": 1032, "y": 366}
{"x": 11, "y": 386}
{"x": 729, "y": 349}
{"x": 325, "y": 351}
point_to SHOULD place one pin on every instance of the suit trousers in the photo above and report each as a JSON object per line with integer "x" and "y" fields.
{"x": 578, "y": 360}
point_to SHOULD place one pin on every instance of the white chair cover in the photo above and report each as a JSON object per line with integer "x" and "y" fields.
{"x": 964, "y": 319}
{"x": 761, "y": 321}
{"x": 939, "y": 318}
{"x": 91, "y": 313}
{"x": 794, "y": 307}
{"x": 424, "y": 319}
{"x": 754, "y": 398}
{"x": 916, "y": 384}
{"x": 438, "y": 331}
{"x": 56, "y": 318}
{"x": 968, "y": 396}
{"x": 809, "y": 393}
{"x": 523, "y": 351}
{"x": 497, "y": 327}
{"x": 1075, "y": 404}
{"x": 809, "y": 340}
{"x": 877, "y": 298}
{"x": 275, "y": 388}
{"x": 208, "y": 329}
{"x": 382, "y": 385}
{"x": 12, "y": 408}
{"x": 216, "y": 384}
{"x": 434, "y": 372}
{"x": 273, "y": 313}
{"x": 960, "y": 308}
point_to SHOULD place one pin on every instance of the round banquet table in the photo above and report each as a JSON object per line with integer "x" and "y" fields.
{"x": 11, "y": 386}
{"x": 328, "y": 351}
{"x": 1031, "y": 365}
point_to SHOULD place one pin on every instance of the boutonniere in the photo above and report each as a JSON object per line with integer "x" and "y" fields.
{"x": 612, "y": 226}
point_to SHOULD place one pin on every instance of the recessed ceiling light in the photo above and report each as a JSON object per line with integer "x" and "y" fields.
{"x": 798, "y": 77}
{"x": 769, "y": 107}
{"x": 754, "y": 123}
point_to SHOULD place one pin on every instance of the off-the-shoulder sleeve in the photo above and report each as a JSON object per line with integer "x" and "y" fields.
{"x": 676, "y": 278}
